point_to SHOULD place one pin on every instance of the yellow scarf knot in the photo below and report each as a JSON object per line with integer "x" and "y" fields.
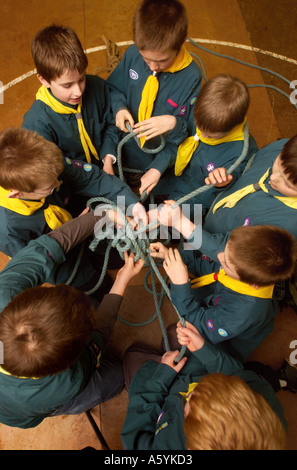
{"x": 187, "y": 148}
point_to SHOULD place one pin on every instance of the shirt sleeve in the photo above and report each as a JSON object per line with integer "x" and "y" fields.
{"x": 30, "y": 267}
{"x": 149, "y": 388}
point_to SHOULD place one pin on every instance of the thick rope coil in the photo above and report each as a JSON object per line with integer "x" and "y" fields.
{"x": 137, "y": 242}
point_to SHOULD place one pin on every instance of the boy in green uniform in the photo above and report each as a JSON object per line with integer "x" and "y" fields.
{"x": 231, "y": 302}
{"x": 154, "y": 88}
{"x": 218, "y": 140}
{"x": 72, "y": 109}
{"x": 54, "y": 341}
{"x": 36, "y": 182}
{"x": 207, "y": 401}
{"x": 265, "y": 194}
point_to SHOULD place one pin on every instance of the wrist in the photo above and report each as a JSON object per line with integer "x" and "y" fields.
{"x": 109, "y": 159}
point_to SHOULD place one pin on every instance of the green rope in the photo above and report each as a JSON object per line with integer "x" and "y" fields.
{"x": 125, "y": 139}
{"x": 248, "y": 64}
{"x": 137, "y": 242}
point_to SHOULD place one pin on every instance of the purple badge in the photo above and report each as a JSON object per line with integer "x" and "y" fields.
{"x": 210, "y": 167}
{"x": 247, "y": 221}
{"x": 182, "y": 111}
{"x": 210, "y": 325}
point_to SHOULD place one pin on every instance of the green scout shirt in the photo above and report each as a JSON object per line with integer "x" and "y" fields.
{"x": 155, "y": 415}
{"x": 62, "y": 129}
{"x": 25, "y": 402}
{"x": 176, "y": 96}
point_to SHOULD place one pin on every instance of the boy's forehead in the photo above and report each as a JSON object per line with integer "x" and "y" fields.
{"x": 158, "y": 56}
{"x": 68, "y": 76}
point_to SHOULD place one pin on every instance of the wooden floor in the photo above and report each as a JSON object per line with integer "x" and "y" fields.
{"x": 248, "y": 30}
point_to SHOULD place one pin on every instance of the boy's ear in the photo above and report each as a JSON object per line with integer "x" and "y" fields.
{"x": 43, "y": 81}
{"x": 255, "y": 286}
{"x": 14, "y": 194}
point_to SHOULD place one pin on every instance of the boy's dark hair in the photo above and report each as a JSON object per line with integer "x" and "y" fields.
{"x": 262, "y": 254}
{"x": 221, "y": 104}
{"x": 27, "y": 160}
{"x": 288, "y": 158}
{"x": 44, "y": 330}
{"x": 56, "y": 49}
{"x": 160, "y": 25}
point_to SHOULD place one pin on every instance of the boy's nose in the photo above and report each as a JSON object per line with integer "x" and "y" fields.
{"x": 154, "y": 67}
{"x": 77, "y": 91}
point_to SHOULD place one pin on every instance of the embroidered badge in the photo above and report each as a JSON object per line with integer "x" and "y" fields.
{"x": 172, "y": 103}
{"x": 247, "y": 221}
{"x": 164, "y": 425}
{"x": 182, "y": 111}
{"x": 134, "y": 75}
{"x": 210, "y": 167}
{"x": 222, "y": 332}
{"x": 193, "y": 100}
{"x": 68, "y": 161}
{"x": 88, "y": 167}
{"x": 77, "y": 163}
{"x": 210, "y": 325}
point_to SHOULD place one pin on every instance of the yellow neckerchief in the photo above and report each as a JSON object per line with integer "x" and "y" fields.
{"x": 191, "y": 387}
{"x": 233, "y": 284}
{"x": 231, "y": 200}
{"x": 187, "y": 148}
{"x": 151, "y": 87}
{"x": 54, "y": 215}
{"x": 44, "y": 95}
{"x": 3, "y": 371}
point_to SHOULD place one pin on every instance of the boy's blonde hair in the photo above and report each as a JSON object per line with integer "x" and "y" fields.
{"x": 27, "y": 160}
{"x": 262, "y": 254}
{"x": 56, "y": 49}
{"x": 222, "y": 104}
{"x": 226, "y": 414}
{"x": 160, "y": 25}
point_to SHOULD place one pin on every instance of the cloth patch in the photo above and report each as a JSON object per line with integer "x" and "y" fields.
{"x": 182, "y": 111}
{"x": 172, "y": 103}
{"x": 210, "y": 167}
{"x": 163, "y": 426}
{"x": 134, "y": 75}
{"x": 222, "y": 332}
{"x": 88, "y": 167}
{"x": 210, "y": 325}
